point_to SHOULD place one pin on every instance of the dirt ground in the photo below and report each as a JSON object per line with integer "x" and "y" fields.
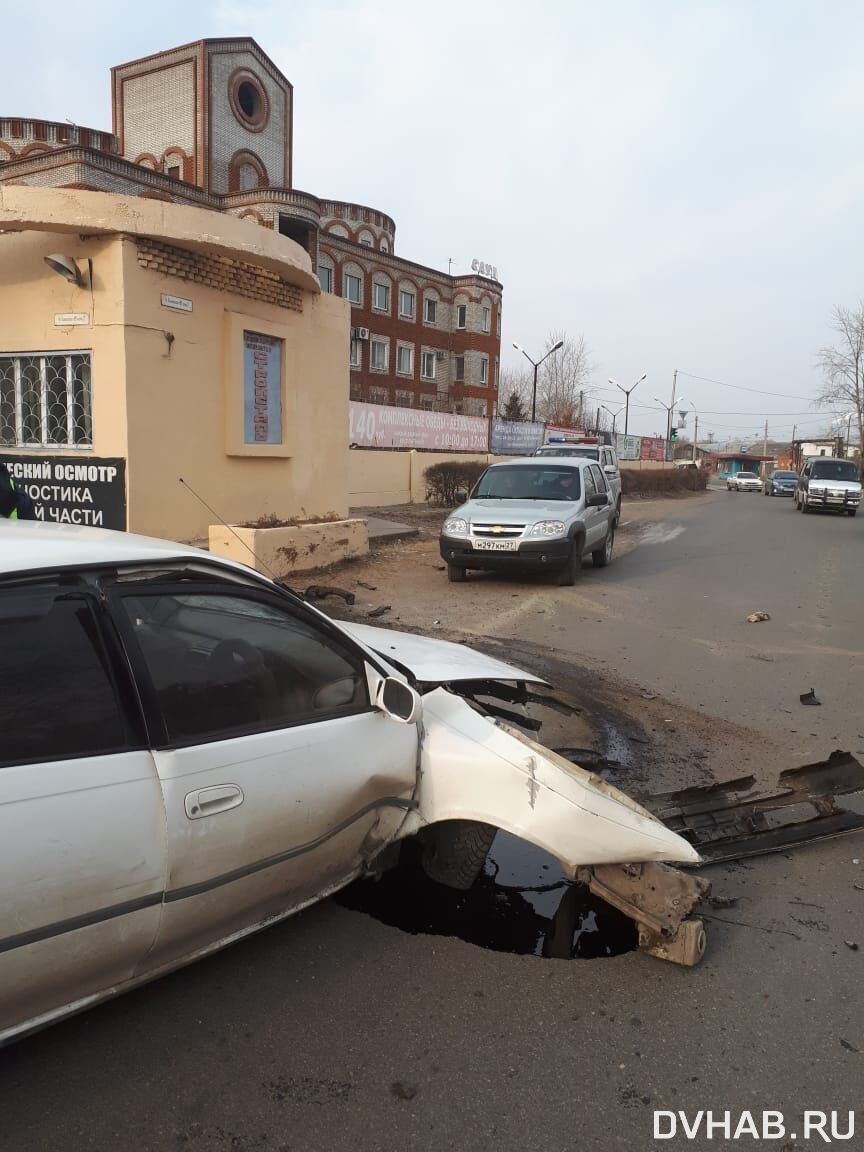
{"x": 639, "y": 740}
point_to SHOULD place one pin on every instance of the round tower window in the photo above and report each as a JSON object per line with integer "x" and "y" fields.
{"x": 249, "y": 101}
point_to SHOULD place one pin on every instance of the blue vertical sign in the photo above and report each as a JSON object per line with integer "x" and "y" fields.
{"x": 262, "y": 389}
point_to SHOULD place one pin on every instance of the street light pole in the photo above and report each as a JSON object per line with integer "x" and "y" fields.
{"x": 614, "y": 415}
{"x": 536, "y": 364}
{"x": 627, "y": 392}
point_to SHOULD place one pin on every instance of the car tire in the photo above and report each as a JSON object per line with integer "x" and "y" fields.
{"x": 456, "y": 575}
{"x": 601, "y": 557}
{"x": 453, "y": 851}
{"x": 618, "y": 512}
{"x": 572, "y": 570}
{"x": 851, "y": 511}
{"x": 805, "y": 504}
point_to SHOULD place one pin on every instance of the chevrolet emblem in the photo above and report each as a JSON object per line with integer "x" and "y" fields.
{"x": 497, "y": 528}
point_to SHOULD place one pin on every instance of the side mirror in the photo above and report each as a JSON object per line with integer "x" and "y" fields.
{"x": 398, "y": 701}
{"x": 610, "y": 469}
{"x": 598, "y": 500}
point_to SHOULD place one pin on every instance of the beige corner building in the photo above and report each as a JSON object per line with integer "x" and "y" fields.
{"x": 143, "y": 342}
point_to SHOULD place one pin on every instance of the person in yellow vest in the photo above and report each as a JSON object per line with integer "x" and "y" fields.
{"x": 15, "y": 502}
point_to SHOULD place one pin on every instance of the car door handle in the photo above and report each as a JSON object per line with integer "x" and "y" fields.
{"x": 209, "y": 801}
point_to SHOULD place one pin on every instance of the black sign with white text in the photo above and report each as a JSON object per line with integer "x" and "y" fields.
{"x": 66, "y": 490}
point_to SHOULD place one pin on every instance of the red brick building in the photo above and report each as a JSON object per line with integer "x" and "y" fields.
{"x": 211, "y": 124}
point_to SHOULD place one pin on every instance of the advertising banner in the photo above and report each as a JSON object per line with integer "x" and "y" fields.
{"x": 262, "y": 389}
{"x": 653, "y": 448}
{"x": 66, "y": 490}
{"x": 380, "y": 426}
{"x": 628, "y": 447}
{"x": 515, "y": 437}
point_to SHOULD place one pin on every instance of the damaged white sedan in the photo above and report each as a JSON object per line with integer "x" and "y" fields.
{"x": 190, "y": 752}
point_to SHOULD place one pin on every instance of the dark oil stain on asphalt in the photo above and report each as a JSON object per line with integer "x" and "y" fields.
{"x": 521, "y": 903}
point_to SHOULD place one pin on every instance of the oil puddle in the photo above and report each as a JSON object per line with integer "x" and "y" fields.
{"x": 521, "y": 903}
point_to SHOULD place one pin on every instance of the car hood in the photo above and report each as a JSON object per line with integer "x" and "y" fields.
{"x": 435, "y": 661}
{"x": 516, "y": 511}
{"x": 817, "y": 484}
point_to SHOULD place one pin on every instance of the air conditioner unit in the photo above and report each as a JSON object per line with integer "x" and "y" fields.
{"x": 359, "y": 333}
{"x": 440, "y": 355}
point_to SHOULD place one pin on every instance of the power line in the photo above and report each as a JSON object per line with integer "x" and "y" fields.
{"x": 741, "y": 388}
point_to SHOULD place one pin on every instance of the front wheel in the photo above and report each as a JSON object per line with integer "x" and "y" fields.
{"x": 851, "y": 511}
{"x": 456, "y": 575}
{"x": 805, "y": 503}
{"x": 603, "y": 556}
{"x": 572, "y": 570}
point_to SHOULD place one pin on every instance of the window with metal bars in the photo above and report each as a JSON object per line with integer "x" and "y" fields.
{"x": 45, "y": 400}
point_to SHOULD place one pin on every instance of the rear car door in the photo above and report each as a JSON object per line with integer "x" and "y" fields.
{"x": 604, "y": 515}
{"x": 82, "y": 830}
{"x": 279, "y": 778}
{"x": 594, "y": 517}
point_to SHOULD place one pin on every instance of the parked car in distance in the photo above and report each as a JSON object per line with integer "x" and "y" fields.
{"x": 605, "y": 456}
{"x": 744, "y": 482}
{"x": 191, "y": 752}
{"x": 780, "y": 483}
{"x": 533, "y": 515}
{"x": 826, "y": 484}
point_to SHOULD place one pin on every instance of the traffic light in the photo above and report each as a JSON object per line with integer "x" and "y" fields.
{"x": 674, "y": 435}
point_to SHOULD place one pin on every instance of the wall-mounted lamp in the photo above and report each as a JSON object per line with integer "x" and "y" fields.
{"x": 67, "y": 267}
{"x": 169, "y": 340}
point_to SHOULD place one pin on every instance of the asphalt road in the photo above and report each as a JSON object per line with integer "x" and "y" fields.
{"x": 334, "y": 1031}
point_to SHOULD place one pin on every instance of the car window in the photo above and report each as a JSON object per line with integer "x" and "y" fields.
{"x": 219, "y": 664}
{"x": 834, "y": 470}
{"x": 534, "y": 482}
{"x": 590, "y": 483}
{"x": 599, "y": 478}
{"x": 56, "y": 686}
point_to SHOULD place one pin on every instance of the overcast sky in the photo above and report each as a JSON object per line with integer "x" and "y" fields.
{"x": 681, "y": 182}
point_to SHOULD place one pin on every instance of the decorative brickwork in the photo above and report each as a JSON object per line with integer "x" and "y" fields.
{"x": 219, "y": 272}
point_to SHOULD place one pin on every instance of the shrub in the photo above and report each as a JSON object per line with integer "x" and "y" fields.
{"x": 656, "y": 481}
{"x": 444, "y": 480}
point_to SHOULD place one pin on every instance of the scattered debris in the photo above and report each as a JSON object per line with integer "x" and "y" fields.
{"x": 849, "y": 1047}
{"x": 319, "y": 591}
{"x": 368, "y": 587}
{"x": 756, "y": 617}
{"x": 379, "y": 611}
{"x": 743, "y": 818}
{"x": 858, "y": 887}
{"x": 855, "y": 860}
{"x": 402, "y": 1090}
{"x": 809, "y": 698}
{"x": 851, "y": 945}
{"x": 723, "y": 901}
{"x": 648, "y": 695}
{"x": 442, "y": 568}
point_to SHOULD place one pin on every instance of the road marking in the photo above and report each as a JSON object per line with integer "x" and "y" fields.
{"x": 661, "y": 533}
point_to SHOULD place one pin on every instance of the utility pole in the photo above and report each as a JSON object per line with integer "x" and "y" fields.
{"x": 765, "y": 441}
{"x": 581, "y": 405}
{"x": 695, "y": 434}
{"x": 672, "y": 405}
{"x": 792, "y": 445}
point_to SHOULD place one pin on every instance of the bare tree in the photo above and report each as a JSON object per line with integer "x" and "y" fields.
{"x": 843, "y": 366}
{"x": 562, "y": 394}
{"x": 514, "y": 382}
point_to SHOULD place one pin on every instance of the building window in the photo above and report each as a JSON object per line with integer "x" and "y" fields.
{"x": 487, "y": 317}
{"x": 406, "y": 304}
{"x": 249, "y": 101}
{"x": 379, "y": 395}
{"x": 381, "y": 297}
{"x": 427, "y": 402}
{"x": 404, "y": 399}
{"x": 45, "y": 401}
{"x": 460, "y": 367}
{"x": 353, "y": 287}
{"x": 405, "y": 360}
{"x": 366, "y": 239}
{"x": 461, "y": 315}
{"x": 385, "y": 247}
{"x": 427, "y": 370}
{"x": 430, "y": 314}
{"x": 325, "y": 278}
{"x": 484, "y": 369}
{"x": 355, "y": 353}
{"x": 379, "y": 352}
{"x": 174, "y": 171}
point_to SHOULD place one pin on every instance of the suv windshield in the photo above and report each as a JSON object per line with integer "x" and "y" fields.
{"x": 834, "y": 470}
{"x": 528, "y": 483}
{"x": 587, "y": 452}
{"x": 785, "y": 475}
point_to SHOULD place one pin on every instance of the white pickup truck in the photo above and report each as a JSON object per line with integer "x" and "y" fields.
{"x": 592, "y": 450}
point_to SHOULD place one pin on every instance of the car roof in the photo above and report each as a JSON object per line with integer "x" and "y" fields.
{"x": 29, "y": 545}
{"x": 828, "y": 460}
{"x": 531, "y": 461}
